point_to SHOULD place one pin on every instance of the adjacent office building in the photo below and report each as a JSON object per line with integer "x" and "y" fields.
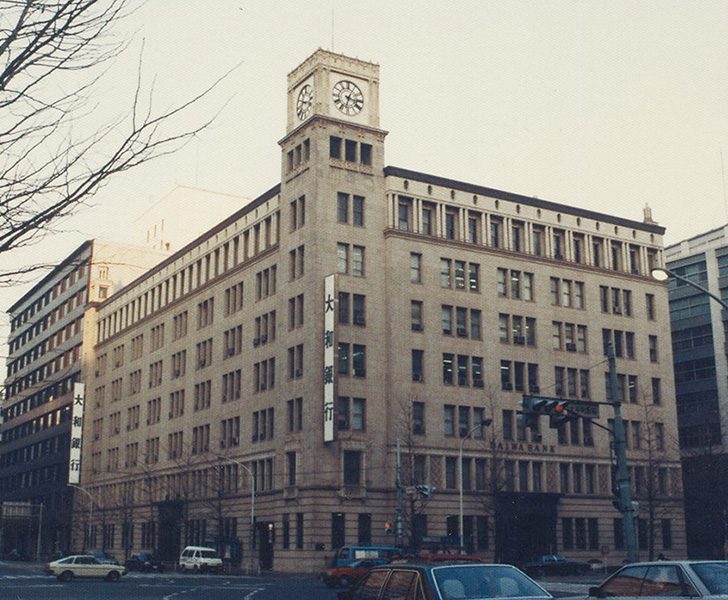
{"x": 701, "y": 382}
{"x": 47, "y": 344}
{"x": 354, "y": 308}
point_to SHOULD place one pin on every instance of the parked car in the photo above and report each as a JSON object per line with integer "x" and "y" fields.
{"x": 200, "y": 559}
{"x": 84, "y": 565}
{"x": 675, "y": 578}
{"x": 104, "y": 557}
{"x": 555, "y": 564}
{"x": 144, "y": 562}
{"x": 349, "y": 574}
{"x": 428, "y": 580}
{"x": 15, "y": 554}
{"x": 347, "y": 554}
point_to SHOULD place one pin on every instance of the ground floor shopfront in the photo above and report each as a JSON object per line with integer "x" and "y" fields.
{"x": 301, "y": 530}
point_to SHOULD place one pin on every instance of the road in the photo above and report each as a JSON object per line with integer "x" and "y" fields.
{"x": 27, "y": 582}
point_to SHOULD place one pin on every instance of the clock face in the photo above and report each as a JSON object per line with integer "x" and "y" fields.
{"x": 347, "y": 97}
{"x": 304, "y": 102}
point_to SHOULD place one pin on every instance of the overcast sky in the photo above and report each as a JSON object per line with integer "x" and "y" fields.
{"x": 604, "y": 106}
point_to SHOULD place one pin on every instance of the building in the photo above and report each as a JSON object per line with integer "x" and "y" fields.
{"x": 48, "y": 339}
{"x": 701, "y": 385}
{"x": 352, "y": 306}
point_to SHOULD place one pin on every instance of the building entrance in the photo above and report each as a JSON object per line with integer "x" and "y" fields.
{"x": 170, "y": 519}
{"x": 266, "y": 537}
{"x": 525, "y": 526}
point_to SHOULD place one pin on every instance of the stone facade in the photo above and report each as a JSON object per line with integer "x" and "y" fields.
{"x": 452, "y": 300}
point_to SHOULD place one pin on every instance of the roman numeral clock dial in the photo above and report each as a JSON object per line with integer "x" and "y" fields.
{"x": 304, "y": 102}
{"x": 347, "y": 97}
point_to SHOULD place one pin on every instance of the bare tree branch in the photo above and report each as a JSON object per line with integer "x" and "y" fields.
{"x": 53, "y": 54}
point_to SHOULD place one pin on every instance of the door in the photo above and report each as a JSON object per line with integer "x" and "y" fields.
{"x": 266, "y": 537}
{"x": 170, "y": 520}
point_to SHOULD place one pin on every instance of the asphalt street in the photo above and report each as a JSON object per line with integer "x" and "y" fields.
{"x": 28, "y": 582}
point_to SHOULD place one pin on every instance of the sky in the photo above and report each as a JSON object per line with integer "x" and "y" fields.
{"x": 603, "y": 106}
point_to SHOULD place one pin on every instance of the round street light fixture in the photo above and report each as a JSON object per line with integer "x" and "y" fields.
{"x": 660, "y": 274}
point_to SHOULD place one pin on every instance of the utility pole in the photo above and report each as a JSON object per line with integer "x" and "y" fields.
{"x": 624, "y": 492}
{"x": 400, "y": 500}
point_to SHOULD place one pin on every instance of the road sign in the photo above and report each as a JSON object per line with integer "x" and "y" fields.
{"x": 584, "y": 408}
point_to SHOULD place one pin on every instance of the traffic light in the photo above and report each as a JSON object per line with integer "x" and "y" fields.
{"x": 534, "y": 406}
{"x": 425, "y": 490}
{"x": 558, "y": 415}
{"x": 528, "y": 416}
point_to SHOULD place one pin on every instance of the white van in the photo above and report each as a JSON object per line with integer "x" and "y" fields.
{"x": 200, "y": 559}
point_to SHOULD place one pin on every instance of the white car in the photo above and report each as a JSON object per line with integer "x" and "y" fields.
{"x": 84, "y": 565}
{"x": 200, "y": 558}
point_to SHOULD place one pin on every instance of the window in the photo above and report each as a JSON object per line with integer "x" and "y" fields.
{"x": 205, "y": 313}
{"x": 418, "y": 418}
{"x": 447, "y": 368}
{"x": 445, "y": 268}
{"x": 357, "y": 215}
{"x": 418, "y": 365}
{"x": 334, "y": 147}
{"x": 653, "y": 348}
{"x": 342, "y": 207}
{"x": 449, "y": 420}
{"x": 342, "y": 258}
{"x": 295, "y": 414}
{"x": 357, "y": 261}
{"x": 416, "y": 322}
{"x": 404, "y": 214}
{"x": 650, "y": 305}
{"x": 352, "y": 467}
{"x": 450, "y": 224}
{"x": 415, "y": 267}
{"x": 351, "y": 414}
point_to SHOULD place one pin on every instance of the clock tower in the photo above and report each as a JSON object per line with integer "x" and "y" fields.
{"x": 333, "y": 215}
{"x": 335, "y": 86}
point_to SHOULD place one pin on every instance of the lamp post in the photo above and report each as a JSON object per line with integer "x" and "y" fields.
{"x": 483, "y": 423}
{"x": 662, "y": 274}
{"x": 252, "y": 502}
{"x": 90, "y": 510}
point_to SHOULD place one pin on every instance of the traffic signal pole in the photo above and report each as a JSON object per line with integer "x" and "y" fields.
{"x": 624, "y": 491}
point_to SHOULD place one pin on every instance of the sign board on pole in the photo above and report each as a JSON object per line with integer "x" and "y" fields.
{"x": 329, "y": 356}
{"x": 74, "y": 456}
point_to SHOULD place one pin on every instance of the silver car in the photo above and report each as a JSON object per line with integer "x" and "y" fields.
{"x": 675, "y": 578}
{"x": 84, "y": 565}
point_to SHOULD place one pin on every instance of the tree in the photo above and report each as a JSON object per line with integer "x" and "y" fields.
{"x": 416, "y": 492}
{"x": 651, "y": 476}
{"x": 54, "y": 155}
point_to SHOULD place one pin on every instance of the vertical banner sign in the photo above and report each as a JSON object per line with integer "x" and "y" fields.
{"x": 74, "y": 458}
{"x": 329, "y": 314}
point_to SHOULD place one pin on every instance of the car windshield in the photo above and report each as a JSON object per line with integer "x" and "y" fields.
{"x": 485, "y": 581}
{"x": 713, "y": 575}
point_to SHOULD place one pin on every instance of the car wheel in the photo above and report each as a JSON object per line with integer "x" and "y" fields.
{"x": 66, "y": 576}
{"x": 344, "y": 581}
{"x": 113, "y": 576}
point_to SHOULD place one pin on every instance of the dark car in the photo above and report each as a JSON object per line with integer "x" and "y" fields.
{"x": 144, "y": 562}
{"x": 428, "y": 580}
{"x": 349, "y": 574}
{"x": 674, "y": 578}
{"x": 104, "y": 557}
{"x": 555, "y": 564}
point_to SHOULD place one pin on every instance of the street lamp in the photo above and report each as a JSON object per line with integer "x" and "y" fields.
{"x": 220, "y": 457}
{"x": 662, "y": 274}
{"x": 483, "y": 423}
